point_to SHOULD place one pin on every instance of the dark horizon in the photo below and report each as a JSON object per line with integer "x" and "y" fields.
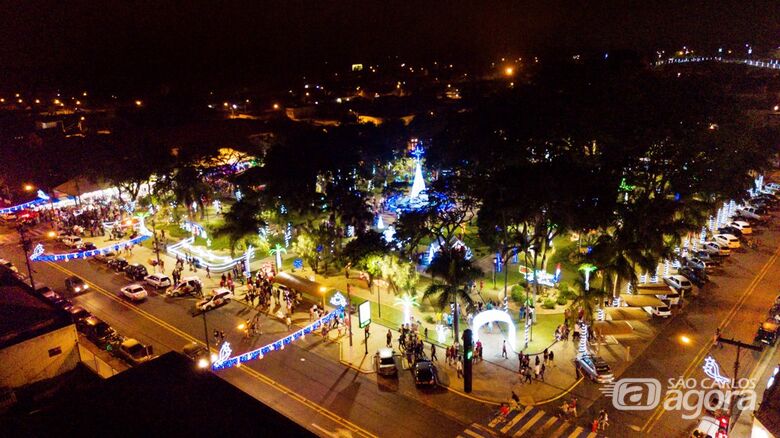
{"x": 148, "y": 44}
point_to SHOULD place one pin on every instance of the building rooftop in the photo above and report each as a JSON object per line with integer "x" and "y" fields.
{"x": 167, "y": 396}
{"x": 768, "y": 412}
{"x": 24, "y": 316}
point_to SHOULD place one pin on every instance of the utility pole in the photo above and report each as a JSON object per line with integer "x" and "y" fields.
{"x": 27, "y": 247}
{"x": 349, "y": 312}
{"x": 157, "y": 245}
{"x": 740, "y": 346}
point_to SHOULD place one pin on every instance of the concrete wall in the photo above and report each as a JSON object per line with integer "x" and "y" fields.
{"x": 30, "y": 361}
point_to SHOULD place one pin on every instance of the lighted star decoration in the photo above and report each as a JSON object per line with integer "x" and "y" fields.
{"x": 338, "y": 300}
{"x": 712, "y": 370}
{"x": 224, "y": 353}
{"x": 37, "y": 251}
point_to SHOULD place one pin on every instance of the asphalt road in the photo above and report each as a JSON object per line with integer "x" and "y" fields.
{"x": 736, "y": 300}
{"x": 305, "y": 381}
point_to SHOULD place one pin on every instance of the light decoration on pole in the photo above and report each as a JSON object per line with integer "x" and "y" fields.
{"x": 583, "y": 347}
{"x": 712, "y": 369}
{"x": 42, "y": 197}
{"x": 527, "y": 332}
{"x": 654, "y": 278}
{"x": 277, "y": 251}
{"x": 225, "y": 361}
{"x": 287, "y": 235}
{"x": 418, "y": 185}
{"x": 587, "y": 268}
{"x": 406, "y": 302}
{"x": 711, "y": 222}
{"x": 441, "y": 333}
{"x": 667, "y": 267}
{"x": 250, "y": 252}
{"x": 703, "y": 236}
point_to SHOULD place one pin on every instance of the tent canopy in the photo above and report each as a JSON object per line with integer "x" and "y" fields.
{"x": 641, "y": 300}
{"x": 79, "y": 186}
{"x": 606, "y": 328}
{"x": 626, "y": 314}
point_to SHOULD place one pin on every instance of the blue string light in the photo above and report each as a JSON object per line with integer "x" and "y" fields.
{"x": 85, "y": 254}
{"x": 223, "y": 363}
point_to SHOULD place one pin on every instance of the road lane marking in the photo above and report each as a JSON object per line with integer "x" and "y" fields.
{"x": 247, "y": 370}
{"x": 659, "y": 411}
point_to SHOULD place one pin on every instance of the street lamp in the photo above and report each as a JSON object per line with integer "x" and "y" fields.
{"x": 685, "y": 340}
{"x": 29, "y": 187}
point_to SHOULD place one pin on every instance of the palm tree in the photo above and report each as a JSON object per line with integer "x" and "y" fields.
{"x": 587, "y": 302}
{"x": 451, "y": 266}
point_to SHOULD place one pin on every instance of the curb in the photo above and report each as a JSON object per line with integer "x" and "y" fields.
{"x": 566, "y": 391}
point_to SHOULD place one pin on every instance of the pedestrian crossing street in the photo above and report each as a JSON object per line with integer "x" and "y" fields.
{"x": 527, "y": 421}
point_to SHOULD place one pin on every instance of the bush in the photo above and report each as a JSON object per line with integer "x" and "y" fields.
{"x": 429, "y": 319}
{"x": 548, "y": 304}
{"x": 561, "y": 300}
{"x": 517, "y": 293}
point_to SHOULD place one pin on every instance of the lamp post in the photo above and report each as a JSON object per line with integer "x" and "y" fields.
{"x": 26, "y": 247}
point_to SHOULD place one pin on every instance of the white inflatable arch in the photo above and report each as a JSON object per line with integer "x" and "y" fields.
{"x": 494, "y": 315}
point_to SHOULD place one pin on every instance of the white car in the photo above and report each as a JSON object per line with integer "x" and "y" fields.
{"x": 134, "y": 292}
{"x": 671, "y": 299}
{"x": 158, "y": 280}
{"x": 742, "y": 226}
{"x": 708, "y": 426}
{"x": 750, "y": 213}
{"x": 218, "y": 297}
{"x": 71, "y": 241}
{"x": 660, "y": 311}
{"x": 678, "y": 282}
{"x": 729, "y": 240}
{"x": 715, "y": 248}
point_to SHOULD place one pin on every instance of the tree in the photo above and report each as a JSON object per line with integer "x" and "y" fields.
{"x": 306, "y": 247}
{"x": 242, "y": 221}
{"x": 450, "y": 265}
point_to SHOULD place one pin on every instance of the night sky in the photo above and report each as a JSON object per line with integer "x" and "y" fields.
{"x": 136, "y": 43}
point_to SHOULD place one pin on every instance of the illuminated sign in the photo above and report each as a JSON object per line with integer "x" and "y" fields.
{"x": 364, "y": 313}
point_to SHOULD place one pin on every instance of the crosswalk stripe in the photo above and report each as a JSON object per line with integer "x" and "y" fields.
{"x": 515, "y": 420}
{"x": 468, "y": 432}
{"x": 550, "y": 422}
{"x": 528, "y": 425}
{"x": 559, "y": 431}
{"x": 577, "y": 431}
{"x": 484, "y": 429}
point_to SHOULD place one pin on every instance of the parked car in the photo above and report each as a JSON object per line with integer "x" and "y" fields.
{"x": 672, "y": 297}
{"x": 742, "y": 226}
{"x": 424, "y": 373}
{"x": 707, "y": 427}
{"x": 678, "y": 282}
{"x": 53, "y": 298}
{"x": 706, "y": 257}
{"x": 118, "y": 264}
{"x": 77, "y": 313}
{"x": 134, "y": 352}
{"x": 385, "y": 362}
{"x": 767, "y": 332}
{"x": 594, "y": 368}
{"x": 75, "y": 285}
{"x": 730, "y": 240}
{"x": 773, "y": 185}
{"x": 715, "y": 248}
{"x": 728, "y": 229}
{"x": 659, "y": 311}
{"x": 218, "y": 297}
{"x": 187, "y": 286}
{"x": 105, "y": 258}
{"x": 751, "y": 213}
{"x": 696, "y": 276}
{"x": 97, "y": 331}
{"x": 71, "y": 241}
{"x": 136, "y": 272}
{"x": 695, "y": 262}
{"x": 158, "y": 280}
{"x": 87, "y": 246}
{"x": 134, "y": 292}
{"x": 8, "y": 265}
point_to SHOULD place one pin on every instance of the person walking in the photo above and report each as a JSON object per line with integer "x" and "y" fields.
{"x": 527, "y": 375}
{"x": 389, "y": 338}
{"x": 545, "y": 355}
{"x": 541, "y": 372}
{"x": 503, "y": 350}
{"x": 208, "y": 272}
{"x": 459, "y": 367}
{"x": 550, "y": 357}
{"x": 537, "y": 370}
{"x": 433, "y": 353}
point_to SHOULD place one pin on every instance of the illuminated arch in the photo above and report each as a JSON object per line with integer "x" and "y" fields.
{"x": 494, "y": 315}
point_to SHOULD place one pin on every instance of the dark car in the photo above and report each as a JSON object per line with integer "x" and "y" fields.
{"x": 707, "y": 257}
{"x": 594, "y": 368}
{"x": 97, "y": 331}
{"x": 75, "y": 285}
{"x": 424, "y": 373}
{"x": 88, "y": 246}
{"x": 136, "y": 272}
{"x": 77, "y": 313}
{"x": 118, "y": 264}
{"x": 767, "y": 333}
{"x": 696, "y": 276}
